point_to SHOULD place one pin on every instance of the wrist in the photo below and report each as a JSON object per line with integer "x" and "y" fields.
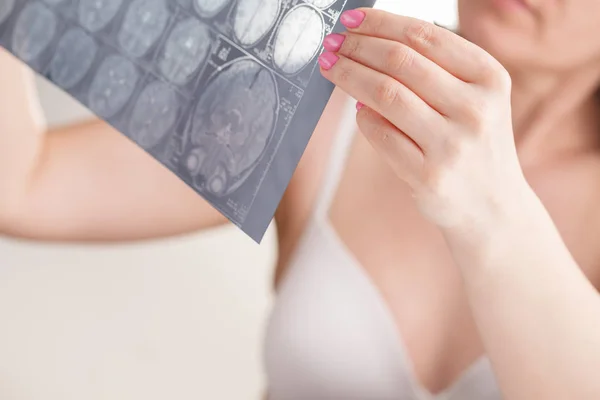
{"x": 506, "y": 220}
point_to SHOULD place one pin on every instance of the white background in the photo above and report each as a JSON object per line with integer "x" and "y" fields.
{"x": 178, "y": 319}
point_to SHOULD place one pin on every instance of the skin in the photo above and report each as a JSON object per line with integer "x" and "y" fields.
{"x": 483, "y": 178}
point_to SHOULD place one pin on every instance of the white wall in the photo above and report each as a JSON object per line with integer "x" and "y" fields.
{"x": 179, "y": 319}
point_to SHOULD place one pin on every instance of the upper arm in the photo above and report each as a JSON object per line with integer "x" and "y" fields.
{"x": 92, "y": 183}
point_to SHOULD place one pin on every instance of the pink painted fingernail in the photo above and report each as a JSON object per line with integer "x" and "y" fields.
{"x": 333, "y": 42}
{"x": 359, "y": 105}
{"x": 327, "y": 60}
{"x": 352, "y": 18}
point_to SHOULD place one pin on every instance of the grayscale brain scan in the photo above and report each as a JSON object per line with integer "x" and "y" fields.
{"x": 154, "y": 114}
{"x": 73, "y": 58}
{"x": 6, "y": 7}
{"x": 209, "y": 8}
{"x": 232, "y": 125}
{"x": 223, "y": 93}
{"x": 34, "y": 29}
{"x": 112, "y": 86}
{"x": 298, "y": 39}
{"x": 253, "y": 19}
{"x": 185, "y": 50}
{"x": 95, "y": 15}
{"x": 144, "y": 23}
{"x": 321, "y": 3}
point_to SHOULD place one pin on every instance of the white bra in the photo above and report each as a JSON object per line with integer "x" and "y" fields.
{"x": 331, "y": 335}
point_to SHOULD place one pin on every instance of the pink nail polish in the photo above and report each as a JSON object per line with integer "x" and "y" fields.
{"x": 333, "y": 42}
{"x": 359, "y": 105}
{"x": 327, "y": 60}
{"x": 352, "y": 18}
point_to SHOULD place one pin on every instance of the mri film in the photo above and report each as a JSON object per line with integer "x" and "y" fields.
{"x": 34, "y": 29}
{"x": 209, "y": 8}
{"x": 225, "y": 94}
{"x": 298, "y": 39}
{"x": 154, "y": 114}
{"x": 232, "y": 125}
{"x": 143, "y": 25}
{"x": 321, "y": 3}
{"x": 95, "y": 15}
{"x": 112, "y": 86}
{"x": 185, "y": 51}
{"x": 253, "y": 19}
{"x": 6, "y": 7}
{"x": 72, "y": 58}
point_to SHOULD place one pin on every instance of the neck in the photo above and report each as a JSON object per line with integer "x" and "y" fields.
{"x": 554, "y": 112}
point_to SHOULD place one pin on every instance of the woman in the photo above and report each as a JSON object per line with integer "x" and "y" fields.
{"x": 470, "y": 271}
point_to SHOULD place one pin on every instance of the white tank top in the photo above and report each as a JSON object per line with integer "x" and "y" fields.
{"x": 331, "y": 335}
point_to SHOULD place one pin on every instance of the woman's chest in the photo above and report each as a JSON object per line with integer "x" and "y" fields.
{"x": 407, "y": 260}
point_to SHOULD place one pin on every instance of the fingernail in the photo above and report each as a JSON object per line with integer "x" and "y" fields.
{"x": 327, "y": 60}
{"x": 352, "y": 18}
{"x": 333, "y": 42}
{"x": 359, "y": 105}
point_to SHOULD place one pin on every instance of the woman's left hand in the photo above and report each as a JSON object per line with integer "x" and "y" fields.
{"x": 436, "y": 107}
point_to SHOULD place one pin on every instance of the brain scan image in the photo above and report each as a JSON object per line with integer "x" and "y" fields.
{"x": 34, "y": 30}
{"x": 253, "y": 19}
{"x": 298, "y": 39}
{"x": 73, "y": 58}
{"x": 154, "y": 115}
{"x": 112, "y": 86}
{"x": 321, "y": 3}
{"x": 53, "y": 2}
{"x": 95, "y": 15}
{"x": 231, "y": 126}
{"x": 185, "y": 50}
{"x": 210, "y": 8}
{"x": 143, "y": 25}
{"x": 6, "y": 7}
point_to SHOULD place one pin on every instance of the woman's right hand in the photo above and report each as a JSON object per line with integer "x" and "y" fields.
{"x": 85, "y": 182}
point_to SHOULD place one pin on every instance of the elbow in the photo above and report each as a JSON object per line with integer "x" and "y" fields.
{"x": 8, "y": 220}
{"x": 12, "y": 221}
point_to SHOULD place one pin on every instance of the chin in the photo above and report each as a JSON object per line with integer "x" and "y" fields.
{"x": 505, "y": 46}
{"x": 506, "y": 39}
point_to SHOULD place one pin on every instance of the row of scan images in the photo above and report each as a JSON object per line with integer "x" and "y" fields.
{"x": 294, "y": 43}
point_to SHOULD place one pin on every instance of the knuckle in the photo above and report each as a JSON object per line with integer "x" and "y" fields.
{"x": 454, "y": 150}
{"x": 475, "y": 110}
{"x": 351, "y": 47}
{"x": 372, "y": 127}
{"x": 344, "y": 74}
{"x": 433, "y": 178}
{"x": 494, "y": 74}
{"x": 399, "y": 57}
{"x": 387, "y": 93}
{"x": 375, "y": 22}
{"x": 420, "y": 34}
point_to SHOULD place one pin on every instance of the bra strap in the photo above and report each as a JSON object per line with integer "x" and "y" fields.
{"x": 337, "y": 159}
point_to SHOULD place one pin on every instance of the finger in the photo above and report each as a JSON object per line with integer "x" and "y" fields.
{"x": 388, "y": 97}
{"x": 455, "y": 54}
{"x": 436, "y": 86}
{"x": 397, "y": 149}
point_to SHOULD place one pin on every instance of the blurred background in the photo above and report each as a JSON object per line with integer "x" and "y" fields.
{"x": 180, "y": 318}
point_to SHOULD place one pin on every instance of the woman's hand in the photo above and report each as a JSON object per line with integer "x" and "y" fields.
{"x": 438, "y": 110}
{"x": 436, "y": 107}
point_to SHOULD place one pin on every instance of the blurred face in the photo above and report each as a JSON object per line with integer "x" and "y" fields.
{"x": 540, "y": 34}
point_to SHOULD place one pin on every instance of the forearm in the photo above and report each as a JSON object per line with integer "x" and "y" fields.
{"x": 538, "y": 315}
{"x": 22, "y": 128}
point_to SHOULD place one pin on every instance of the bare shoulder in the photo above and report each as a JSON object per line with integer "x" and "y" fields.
{"x": 299, "y": 198}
